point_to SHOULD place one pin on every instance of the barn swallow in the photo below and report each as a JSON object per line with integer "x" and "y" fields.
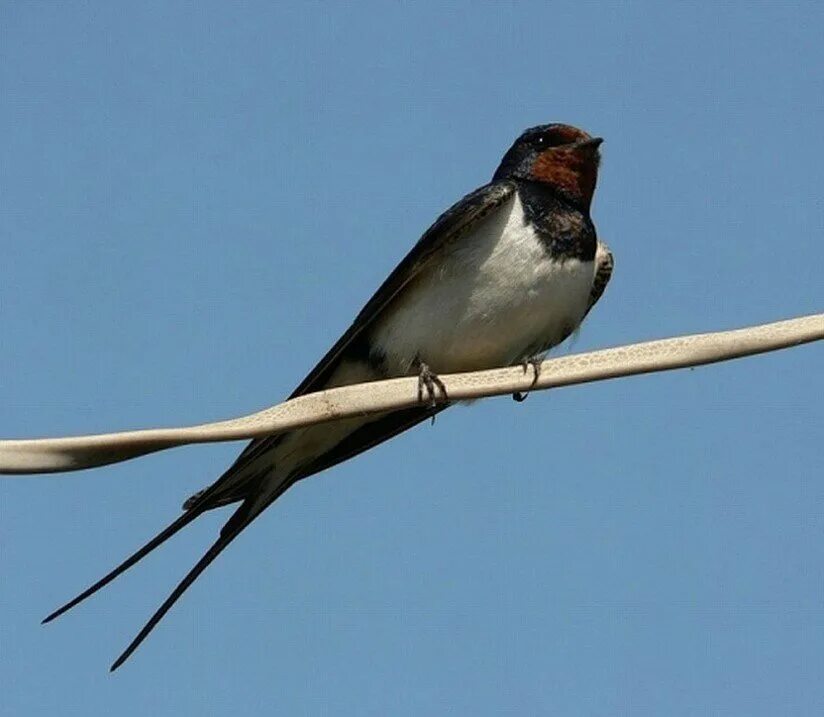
{"x": 500, "y": 278}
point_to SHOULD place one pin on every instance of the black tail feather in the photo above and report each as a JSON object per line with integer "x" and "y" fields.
{"x": 155, "y": 542}
{"x": 241, "y": 518}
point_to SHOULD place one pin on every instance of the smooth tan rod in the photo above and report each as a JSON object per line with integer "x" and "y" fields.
{"x": 50, "y": 455}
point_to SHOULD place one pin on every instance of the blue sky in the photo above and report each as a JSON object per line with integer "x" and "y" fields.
{"x": 197, "y": 199}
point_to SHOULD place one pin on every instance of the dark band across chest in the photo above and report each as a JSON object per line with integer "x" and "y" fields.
{"x": 565, "y": 232}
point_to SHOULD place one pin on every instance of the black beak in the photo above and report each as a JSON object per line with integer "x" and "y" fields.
{"x": 593, "y": 143}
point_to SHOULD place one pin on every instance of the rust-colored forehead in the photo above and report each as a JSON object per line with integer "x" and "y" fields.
{"x": 567, "y": 134}
{"x": 569, "y": 168}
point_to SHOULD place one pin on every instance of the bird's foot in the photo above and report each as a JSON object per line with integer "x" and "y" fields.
{"x": 535, "y": 362}
{"x": 430, "y": 382}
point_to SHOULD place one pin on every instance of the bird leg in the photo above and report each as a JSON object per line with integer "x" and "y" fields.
{"x": 429, "y": 381}
{"x": 535, "y": 362}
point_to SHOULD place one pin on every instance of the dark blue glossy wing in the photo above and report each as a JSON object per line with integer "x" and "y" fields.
{"x": 451, "y": 225}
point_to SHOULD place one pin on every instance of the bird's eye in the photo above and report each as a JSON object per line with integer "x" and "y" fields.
{"x": 548, "y": 140}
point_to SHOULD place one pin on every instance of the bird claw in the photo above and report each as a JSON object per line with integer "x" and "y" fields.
{"x": 430, "y": 382}
{"x": 535, "y": 362}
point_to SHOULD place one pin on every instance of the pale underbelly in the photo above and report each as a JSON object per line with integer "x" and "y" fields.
{"x": 452, "y": 333}
{"x": 455, "y": 325}
{"x": 491, "y": 300}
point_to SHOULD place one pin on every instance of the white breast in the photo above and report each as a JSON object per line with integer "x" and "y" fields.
{"x": 493, "y": 299}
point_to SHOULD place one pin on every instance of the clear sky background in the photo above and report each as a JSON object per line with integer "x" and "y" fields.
{"x": 196, "y": 199}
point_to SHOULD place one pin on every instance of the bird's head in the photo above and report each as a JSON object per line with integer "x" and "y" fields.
{"x": 559, "y": 155}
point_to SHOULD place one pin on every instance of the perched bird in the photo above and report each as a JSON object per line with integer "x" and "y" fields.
{"x": 501, "y": 277}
